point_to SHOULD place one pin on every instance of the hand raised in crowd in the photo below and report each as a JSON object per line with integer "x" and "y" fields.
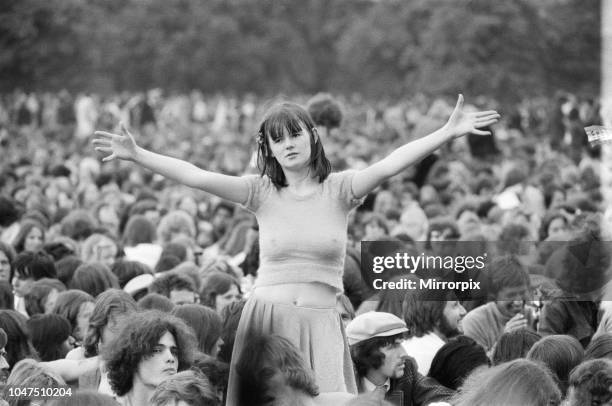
{"x": 119, "y": 146}
{"x": 462, "y": 122}
{"x": 515, "y": 323}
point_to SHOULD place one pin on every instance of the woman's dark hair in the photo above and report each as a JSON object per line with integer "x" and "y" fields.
{"x": 37, "y": 296}
{"x": 48, "y": 332}
{"x": 69, "y": 303}
{"x": 18, "y": 345}
{"x": 66, "y": 267}
{"x": 204, "y": 321}
{"x": 7, "y": 299}
{"x": 126, "y": 270}
{"x": 26, "y": 226}
{"x": 216, "y": 283}
{"x": 155, "y": 301}
{"x": 35, "y": 265}
{"x": 367, "y": 355}
{"x": 599, "y": 347}
{"x": 215, "y": 370}
{"x": 138, "y": 336}
{"x": 108, "y": 305}
{"x": 288, "y": 118}
{"x": 263, "y": 357}
{"x": 560, "y": 353}
{"x": 456, "y": 360}
{"x": 93, "y": 278}
{"x": 139, "y": 229}
{"x": 513, "y": 345}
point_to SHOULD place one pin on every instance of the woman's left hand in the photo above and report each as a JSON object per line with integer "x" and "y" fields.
{"x": 462, "y": 122}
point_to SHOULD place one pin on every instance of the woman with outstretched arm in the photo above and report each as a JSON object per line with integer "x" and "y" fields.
{"x": 302, "y": 209}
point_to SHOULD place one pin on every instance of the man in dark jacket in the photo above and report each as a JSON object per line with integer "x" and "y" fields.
{"x": 383, "y": 366}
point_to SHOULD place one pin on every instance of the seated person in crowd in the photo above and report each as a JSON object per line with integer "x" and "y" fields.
{"x": 150, "y": 347}
{"x": 382, "y": 365}
{"x": 177, "y": 287}
{"x": 509, "y": 283}
{"x": 430, "y": 323}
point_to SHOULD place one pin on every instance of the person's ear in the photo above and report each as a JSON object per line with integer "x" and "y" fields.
{"x": 315, "y": 134}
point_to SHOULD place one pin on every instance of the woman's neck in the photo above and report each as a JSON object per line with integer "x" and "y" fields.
{"x": 300, "y": 179}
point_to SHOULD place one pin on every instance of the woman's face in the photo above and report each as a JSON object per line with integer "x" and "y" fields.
{"x": 83, "y": 317}
{"x": 227, "y": 298}
{"x": 5, "y": 267}
{"x": 22, "y": 286}
{"x": 33, "y": 240}
{"x": 292, "y": 151}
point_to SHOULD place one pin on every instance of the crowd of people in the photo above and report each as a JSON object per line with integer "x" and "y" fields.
{"x": 128, "y": 287}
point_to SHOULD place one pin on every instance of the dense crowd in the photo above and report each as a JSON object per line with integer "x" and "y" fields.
{"x": 124, "y": 286}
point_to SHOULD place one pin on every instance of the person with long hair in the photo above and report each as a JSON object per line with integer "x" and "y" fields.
{"x": 302, "y": 210}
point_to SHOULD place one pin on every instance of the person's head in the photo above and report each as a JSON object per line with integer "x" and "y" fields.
{"x": 509, "y": 284}
{"x": 514, "y": 344}
{"x": 375, "y": 342}
{"x": 599, "y": 347}
{"x": 7, "y": 257}
{"x": 219, "y": 290}
{"x": 150, "y": 347}
{"x": 456, "y": 360}
{"x": 66, "y": 267}
{"x": 4, "y": 365}
{"x": 231, "y": 317}
{"x": 427, "y": 312}
{"x": 18, "y": 345}
{"x": 76, "y": 306}
{"x": 518, "y": 382}
{"x": 50, "y": 335}
{"x": 33, "y": 376}
{"x": 215, "y": 370}
{"x": 31, "y": 236}
{"x": 206, "y": 324}
{"x": 29, "y": 267}
{"x": 155, "y": 301}
{"x": 99, "y": 248}
{"x": 325, "y": 110}
{"x": 467, "y": 220}
{"x": 269, "y": 368}
{"x": 109, "y": 310}
{"x": 187, "y": 388}
{"x": 375, "y": 226}
{"x": 83, "y": 397}
{"x": 174, "y": 224}
{"x": 177, "y": 287}
{"x": 288, "y": 139}
{"x": 221, "y": 218}
{"x": 93, "y": 278}
{"x": 554, "y": 227}
{"x": 560, "y": 353}
{"x": 590, "y": 383}
{"x": 138, "y": 230}
{"x": 126, "y": 270}
{"x": 42, "y": 296}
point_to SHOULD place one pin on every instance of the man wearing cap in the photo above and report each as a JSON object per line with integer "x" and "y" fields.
{"x": 383, "y": 366}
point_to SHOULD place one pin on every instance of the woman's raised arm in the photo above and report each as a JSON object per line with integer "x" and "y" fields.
{"x": 459, "y": 123}
{"x": 123, "y": 146}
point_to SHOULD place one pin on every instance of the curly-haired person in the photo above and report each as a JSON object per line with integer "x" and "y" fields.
{"x": 150, "y": 347}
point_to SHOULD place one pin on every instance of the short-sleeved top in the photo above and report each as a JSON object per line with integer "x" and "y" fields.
{"x": 302, "y": 238}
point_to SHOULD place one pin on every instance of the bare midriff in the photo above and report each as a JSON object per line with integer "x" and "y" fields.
{"x": 308, "y": 294}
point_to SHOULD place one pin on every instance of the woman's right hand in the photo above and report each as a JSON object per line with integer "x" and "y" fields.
{"x": 117, "y": 146}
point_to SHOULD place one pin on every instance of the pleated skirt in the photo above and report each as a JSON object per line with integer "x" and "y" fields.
{"x": 317, "y": 333}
